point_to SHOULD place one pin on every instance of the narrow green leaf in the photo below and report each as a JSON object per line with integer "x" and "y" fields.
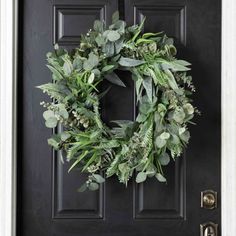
{"x": 129, "y": 62}
{"x": 113, "y": 78}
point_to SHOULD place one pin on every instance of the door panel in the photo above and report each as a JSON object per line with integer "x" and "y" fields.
{"x": 48, "y": 203}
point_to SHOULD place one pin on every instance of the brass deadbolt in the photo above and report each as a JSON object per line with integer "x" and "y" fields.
{"x": 209, "y": 199}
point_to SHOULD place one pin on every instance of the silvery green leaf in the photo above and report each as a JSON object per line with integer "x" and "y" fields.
{"x": 113, "y": 35}
{"x": 54, "y": 141}
{"x": 56, "y": 46}
{"x": 77, "y": 64}
{"x": 160, "y": 177}
{"x": 179, "y": 115}
{"x": 115, "y": 17}
{"x": 67, "y": 67}
{"x": 82, "y": 188}
{"x": 98, "y": 178}
{"x": 47, "y": 114}
{"x": 91, "y": 62}
{"x": 65, "y": 136}
{"x": 118, "y": 45}
{"x": 113, "y": 78}
{"x": 171, "y": 80}
{"x": 189, "y": 108}
{"x": 141, "y": 177}
{"x": 165, "y": 135}
{"x": 107, "y": 68}
{"x": 109, "y": 49}
{"x": 164, "y": 159}
{"x": 182, "y": 130}
{"x": 56, "y": 73}
{"x": 183, "y": 62}
{"x": 174, "y": 139}
{"x": 160, "y": 143}
{"x": 147, "y": 84}
{"x": 98, "y": 26}
{"x": 185, "y": 136}
{"x": 129, "y": 62}
{"x": 63, "y": 112}
{"x": 100, "y": 40}
{"x": 91, "y": 78}
{"x": 51, "y": 122}
{"x": 93, "y": 186}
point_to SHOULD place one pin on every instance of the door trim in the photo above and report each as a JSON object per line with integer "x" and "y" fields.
{"x": 8, "y": 70}
{"x": 8, "y": 108}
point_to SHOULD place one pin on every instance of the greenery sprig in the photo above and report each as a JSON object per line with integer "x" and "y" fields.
{"x": 163, "y": 88}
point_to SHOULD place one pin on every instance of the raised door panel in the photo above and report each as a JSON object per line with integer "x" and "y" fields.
{"x": 70, "y": 20}
{"x": 154, "y": 200}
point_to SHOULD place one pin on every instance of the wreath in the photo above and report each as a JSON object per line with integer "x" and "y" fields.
{"x": 163, "y": 88}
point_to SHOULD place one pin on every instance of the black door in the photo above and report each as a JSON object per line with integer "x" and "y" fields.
{"x": 48, "y": 203}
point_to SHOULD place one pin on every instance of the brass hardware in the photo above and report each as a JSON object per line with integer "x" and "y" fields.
{"x": 209, "y": 229}
{"x": 209, "y": 199}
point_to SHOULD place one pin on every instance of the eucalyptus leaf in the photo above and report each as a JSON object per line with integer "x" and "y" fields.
{"x": 113, "y": 78}
{"x": 51, "y": 122}
{"x": 141, "y": 177}
{"x": 98, "y": 178}
{"x": 115, "y": 17}
{"x": 164, "y": 159}
{"x": 160, "y": 143}
{"x": 160, "y": 177}
{"x": 47, "y": 114}
{"x": 113, "y": 35}
{"x": 93, "y": 186}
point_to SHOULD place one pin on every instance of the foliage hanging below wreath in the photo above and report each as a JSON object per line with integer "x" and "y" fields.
{"x": 143, "y": 146}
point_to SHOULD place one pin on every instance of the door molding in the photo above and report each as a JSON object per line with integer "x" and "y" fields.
{"x": 8, "y": 94}
{"x": 8, "y": 70}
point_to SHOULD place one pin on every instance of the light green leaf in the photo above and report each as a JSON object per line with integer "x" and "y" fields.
{"x": 64, "y": 136}
{"x": 185, "y": 136}
{"x": 91, "y": 62}
{"x": 51, "y": 122}
{"x": 107, "y": 68}
{"x": 160, "y": 177}
{"x": 47, "y": 114}
{"x": 113, "y": 35}
{"x": 165, "y": 135}
{"x": 164, "y": 159}
{"x": 100, "y": 40}
{"x": 171, "y": 80}
{"x": 115, "y": 17}
{"x": 98, "y": 26}
{"x": 93, "y": 186}
{"x": 179, "y": 115}
{"x": 67, "y": 67}
{"x": 98, "y": 178}
{"x": 141, "y": 177}
{"x": 147, "y": 84}
{"x": 82, "y": 188}
{"x": 129, "y": 62}
{"x": 91, "y": 78}
{"x": 160, "y": 143}
{"x": 113, "y": 78}
{"x": 56, "y": 73}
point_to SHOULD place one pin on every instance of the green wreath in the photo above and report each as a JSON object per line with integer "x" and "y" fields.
{"x": 139, "y": 147}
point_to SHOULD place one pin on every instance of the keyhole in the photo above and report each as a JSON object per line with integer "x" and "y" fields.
{"x": 209, "y": 231}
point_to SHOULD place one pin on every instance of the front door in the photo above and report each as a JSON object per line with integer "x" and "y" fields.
{"x": 48, "y": 203}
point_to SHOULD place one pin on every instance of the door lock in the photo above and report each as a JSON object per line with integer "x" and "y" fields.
{"x": 209, "y": 199}
{"x": 209, "y": 229}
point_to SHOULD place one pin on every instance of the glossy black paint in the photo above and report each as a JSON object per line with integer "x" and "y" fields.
{"x": 48, "y": 203}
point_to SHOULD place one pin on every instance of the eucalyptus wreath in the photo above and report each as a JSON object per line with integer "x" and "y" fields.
{"x": 163, "y": 88}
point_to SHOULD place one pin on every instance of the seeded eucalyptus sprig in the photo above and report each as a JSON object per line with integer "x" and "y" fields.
{"x": 163, "y": 89}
